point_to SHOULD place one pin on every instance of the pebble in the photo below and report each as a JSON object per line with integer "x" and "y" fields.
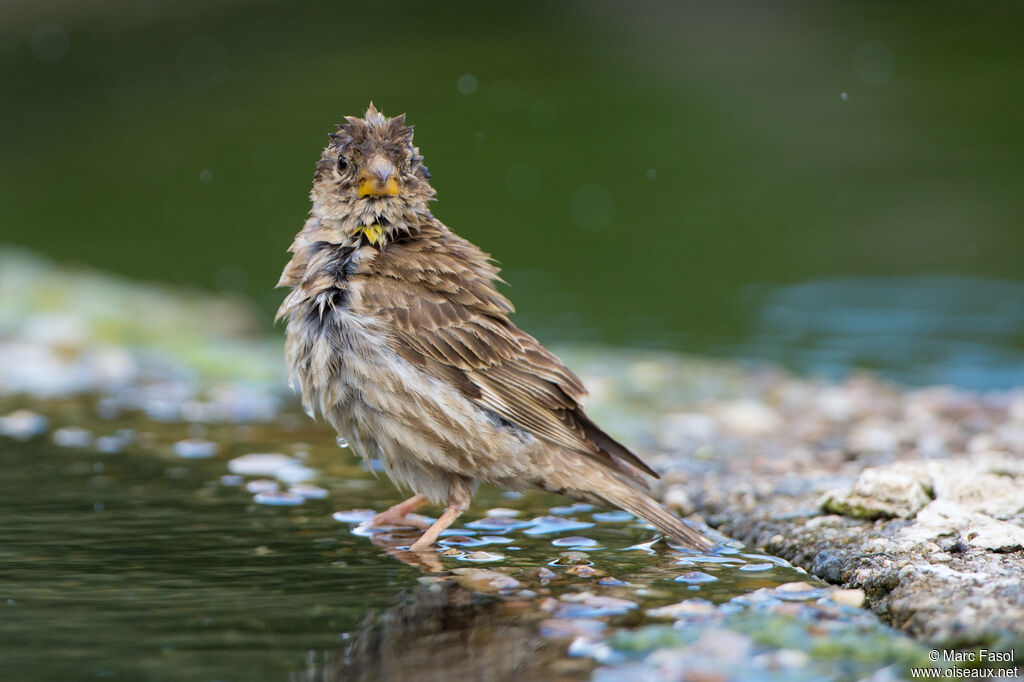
{"x": 23, "y": 424}
{"x": 262, "y": 485}
{"x": 498, "y": 523}
{"x": 72, "y": 437}
{"x": 574, "y": 541}
{"x": 616, "y": 516}
{"x": 353, "y": 515}
{"x": 195, "y": 448}
{"x": 485, "y": 580}
{"x": 543, "y": 525}
{"x": 308, "y": 491}
{"x": 277, "y": 498}
{"x": 695, "y": 577}
{"x": 260, "y": 463}
{"x": 482, "y": 557}
{"x": 853, "y": 598}
{"x": 109, "y": 444}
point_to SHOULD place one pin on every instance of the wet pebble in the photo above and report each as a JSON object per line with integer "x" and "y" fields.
{"x": 554, "y": 524}
{"x": 482, "y": 557}
{"x": 564, "y": 628}
{"x": 277, "y": 498}
{"x": 485, "y": 580}
{"x": 755, "y": 568}
{"x": 611, "y": 581}
{"x": 72, "y": 437}
{"x": 690, "y": 610}
{"x": 584, "y": 571}
{"x": 259, "y": 463}
{"x": 695, "y": 577}
{"x": 308, "y": 491}
{"x": 195, "y": 448}
{"x": 460, "y": 541}
{"x": 498, "y": 524}
{"x": 262, "y": 485}
{"x": 590, "y": 605}
{"x": 231, "y": 480}
{"x": 109, "y": 444}
{"x": 613, "y": 517}
{"x": 23, "y": 424}
{"x": 574, "y": 541}
{"x": 504, "y": 512}
{"x": 578, "y": 507}
{"x": 571, "y": 559}
{"x": 353, "y": 515}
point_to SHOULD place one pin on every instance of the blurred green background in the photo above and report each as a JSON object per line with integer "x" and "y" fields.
{"x": 826, "y": 185}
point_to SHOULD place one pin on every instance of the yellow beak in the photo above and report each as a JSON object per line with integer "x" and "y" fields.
{"x": 378, "y": 178}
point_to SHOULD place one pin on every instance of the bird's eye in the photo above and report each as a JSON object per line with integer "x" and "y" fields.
{"x": 342, "y": 164}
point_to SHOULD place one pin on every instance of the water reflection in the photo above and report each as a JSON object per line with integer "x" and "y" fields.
{"x": 442, "y": 631}
{"x": 922, "y": 330}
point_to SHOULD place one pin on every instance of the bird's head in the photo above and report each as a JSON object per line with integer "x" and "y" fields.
{"x": 371, "y": 176}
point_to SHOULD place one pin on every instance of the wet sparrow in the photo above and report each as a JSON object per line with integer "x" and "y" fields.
{"x": 398, "y": 337}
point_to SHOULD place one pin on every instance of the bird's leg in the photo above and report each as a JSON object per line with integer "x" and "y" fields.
{"x": 398, "y": 515}
{"x": 460, "y": 491}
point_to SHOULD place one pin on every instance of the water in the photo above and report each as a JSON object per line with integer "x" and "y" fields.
{"x": 661, "y": 176}
{"x": 150, "y": 563}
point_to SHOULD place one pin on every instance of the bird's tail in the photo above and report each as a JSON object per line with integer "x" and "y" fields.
{"x": 634, "y": 501}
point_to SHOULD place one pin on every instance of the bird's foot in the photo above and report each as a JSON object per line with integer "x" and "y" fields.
{"x": 393, "y": 517}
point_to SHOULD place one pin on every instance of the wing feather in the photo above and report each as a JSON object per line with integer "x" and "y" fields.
{"x": 449, "y": 320}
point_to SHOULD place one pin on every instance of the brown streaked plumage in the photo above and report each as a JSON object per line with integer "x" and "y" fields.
{"x": 397, "y": 335}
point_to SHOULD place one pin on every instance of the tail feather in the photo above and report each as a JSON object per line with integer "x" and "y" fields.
{"x": 641, "y": 505}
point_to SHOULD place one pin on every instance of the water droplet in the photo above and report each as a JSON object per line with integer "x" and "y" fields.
{"x": 467, "y": 84}
{"x": 308, "y": 409}
{"x": 342, "y": 443}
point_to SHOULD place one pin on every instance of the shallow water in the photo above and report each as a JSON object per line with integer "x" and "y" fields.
{"x": 144, "y": 563}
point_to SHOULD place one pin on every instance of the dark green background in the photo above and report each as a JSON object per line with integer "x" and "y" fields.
{"x": 647, "y": 175}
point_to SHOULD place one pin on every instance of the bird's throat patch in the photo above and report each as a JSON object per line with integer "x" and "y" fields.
{"x": 373, "y": 233}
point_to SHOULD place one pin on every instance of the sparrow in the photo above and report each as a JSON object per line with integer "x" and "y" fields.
{"x": 397, "y": 336}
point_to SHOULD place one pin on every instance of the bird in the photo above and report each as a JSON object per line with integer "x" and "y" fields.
{"x": 398, "y": 337}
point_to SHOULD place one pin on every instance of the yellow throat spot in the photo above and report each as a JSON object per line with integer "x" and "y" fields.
{"x": 372, "y": 232}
